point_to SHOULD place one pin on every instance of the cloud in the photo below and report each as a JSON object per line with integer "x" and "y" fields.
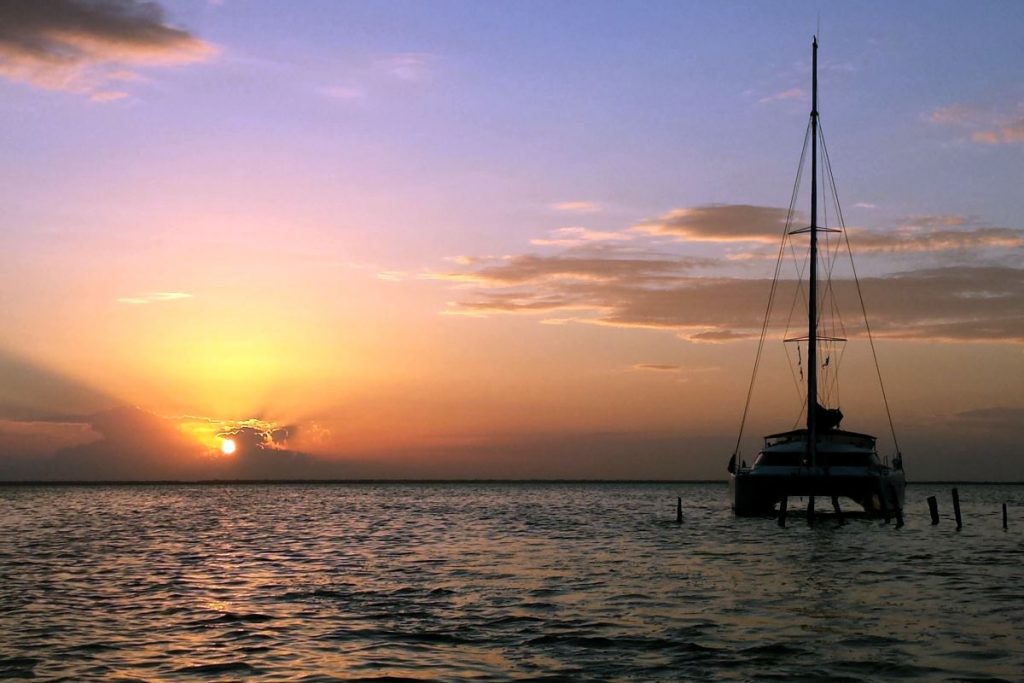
{"x": 574, "y": 236}
{"x": 597, "y": 266}
{"x": 785, "y": 95}
{"x": 985, "y": 126}
{"x": 954, "y": 115}
{"x": 154, "y": 297}
{"x": 657, "y": 367}
{"x": 719, "y": 223}
{"x": 82, "y": 46}
{"x": 965, "y": 303}
{"x": 259, "y": 435}
{"x": 408, "y": 66}
{"x": 577, "y": 207}
{"x": 914, "y": 239}
{"x": 1010, "y": 133}
{"x": 127, "y": 443}
{"x": 999, "y": 417}
{"x": 31, "y": 392}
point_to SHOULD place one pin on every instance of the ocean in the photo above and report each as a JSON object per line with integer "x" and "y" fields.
{"x": 500, "y": 581}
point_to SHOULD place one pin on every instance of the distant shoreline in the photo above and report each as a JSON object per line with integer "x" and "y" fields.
{"x": 327, "y": 482}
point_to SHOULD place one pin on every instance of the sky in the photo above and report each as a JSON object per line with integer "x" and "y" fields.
{"x": 496, "y": 240}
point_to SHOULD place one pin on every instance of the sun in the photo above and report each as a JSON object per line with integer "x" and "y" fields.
{"x": 227, "y": 446}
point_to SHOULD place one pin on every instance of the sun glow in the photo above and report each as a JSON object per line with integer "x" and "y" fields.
{"x": 227, "y": 446}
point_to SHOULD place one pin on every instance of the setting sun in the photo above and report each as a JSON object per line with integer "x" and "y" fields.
{"x": 227, "y": 446}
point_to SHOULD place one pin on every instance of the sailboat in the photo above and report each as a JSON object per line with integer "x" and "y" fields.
{"x": 819, "y": 459}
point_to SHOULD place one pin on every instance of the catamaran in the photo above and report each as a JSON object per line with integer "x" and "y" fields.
{"x": 819, "y": 459}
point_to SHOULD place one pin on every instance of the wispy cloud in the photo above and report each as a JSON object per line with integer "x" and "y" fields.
{"x": 784, "y": 96}
{"x": 984, "y": 126}
{"x": 656, "y": 367}
{"x": 84, "y": 46}
{"x": 1011, "y": 133}
{"x": 573, "y": 236}
{"x": 154, "y": 297}
{"x": 408, "y": 66}
{"x": 577, "y": 207}
{"x": 912, "y": 239}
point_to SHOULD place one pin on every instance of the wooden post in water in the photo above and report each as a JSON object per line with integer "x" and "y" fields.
{"x": 1004, "y": 516}
{"x": 897, "y": 510}
{"x": 883, "y": 502}
{"x": 782, "y": 511}
{"x": 679, "y": 510}
{"x": 933, "y": 508}
{"x": 838, "y": 510}
{"x": 956, "y": 510}
{"x": 810, "y": 510}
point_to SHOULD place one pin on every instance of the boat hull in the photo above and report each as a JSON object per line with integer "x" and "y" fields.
{"x": 759, "y": 492}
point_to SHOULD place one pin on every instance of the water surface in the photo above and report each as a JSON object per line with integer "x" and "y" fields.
{"x": 499, "y": 582}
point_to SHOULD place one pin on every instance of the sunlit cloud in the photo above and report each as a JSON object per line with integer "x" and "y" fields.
{"x": 573, "y": 236}
{"x": 154, "y": 297}
{"x": 1007, "y": 134}
{"x": 965, "y": 303}
{"x": 656, "y": 367}
{"x": 914, "y": 239}
{"x": 601, "y": 266}
{"x": 83, "y": 46}
{"x": 984, "y": 126}
{"x": 577, "y": 207}
{"x": 719, "y": 223}
{"x": 954, "y": 114}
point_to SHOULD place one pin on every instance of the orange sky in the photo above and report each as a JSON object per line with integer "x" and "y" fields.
{"x": 370, "y": 245}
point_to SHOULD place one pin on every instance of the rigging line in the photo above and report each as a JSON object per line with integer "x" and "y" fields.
{"x": 774, "y": 287}
{"x": 836, "y": 319}
{"x": 799, "y": 293}
{"x": 864, "y": 311}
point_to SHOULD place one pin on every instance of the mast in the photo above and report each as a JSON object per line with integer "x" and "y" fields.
{"x": 812, "y": 306}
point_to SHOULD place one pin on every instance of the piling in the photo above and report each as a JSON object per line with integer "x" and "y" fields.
{"x": 1004, "y": 516}
{"x": 883, "y": 503}
{"x": 679, "y": 510}
{"x": 810, "y": 510}
{"x": 782, "y": 511}
{"x": 897, "y": 510}
{"x": 956, "y": 510}
{"x": 838, "y": 510}
{"x": 933, "y": 508}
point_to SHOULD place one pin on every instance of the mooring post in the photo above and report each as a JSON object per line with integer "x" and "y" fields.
{"x": 782, "y": 511}
{"x": 679, "y": 510}
{"x": 956, "y": 510}
{"x": 883, "y": 503}
{"x": 933, "y": 508}
{"x": 810, "y": 510}
{"x": 838, "y": 510}
{"x": 1004, "y": 516}
{"x": 897, "y": 510}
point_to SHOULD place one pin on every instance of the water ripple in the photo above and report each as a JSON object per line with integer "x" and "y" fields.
{"x": 450, "y": 582}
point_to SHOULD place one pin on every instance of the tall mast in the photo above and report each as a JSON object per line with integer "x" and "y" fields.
{"x": 812, "y": 306}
